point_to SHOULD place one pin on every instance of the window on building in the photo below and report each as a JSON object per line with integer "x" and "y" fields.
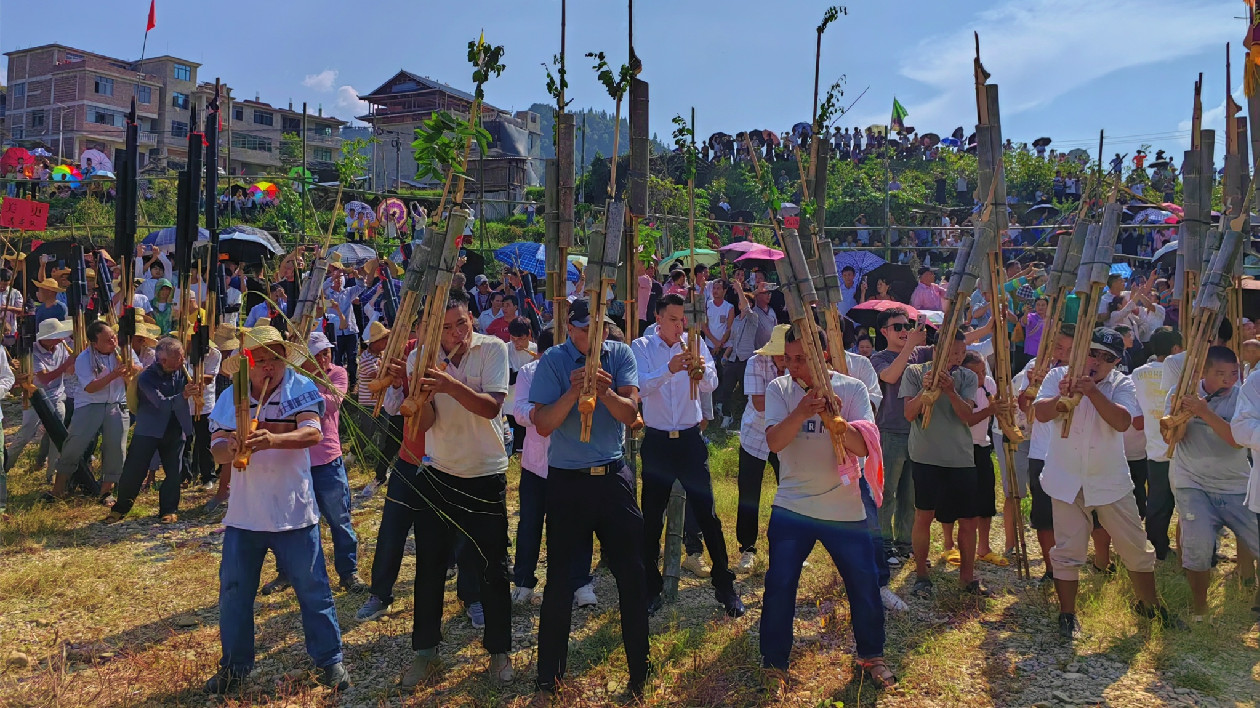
{"x": 290, "y": 125}
{"x": 144, "y": 94}
{"x": 264, "y": 118}
{"x": 102, "y": 116}
{"x": 105, "y": 86}
{"x": 179, "y": 129}
{"x": 246, "y": 141}
{"x": 179, "y": 100}
{"x": 183, "y": 72}
{"x": 37, "y": 119}
{"x": 18, "y": 133}
{"x": 18, "y": 90}
{"x": 323, "y": 154}
{"x": 323, "y": 131}
{"x": 238, "y": 113}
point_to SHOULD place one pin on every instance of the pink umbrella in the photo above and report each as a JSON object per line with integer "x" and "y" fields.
{"x": 1169, "y": 206}
{"x": 761, "y": 253}
{"x": 740, "y": 247}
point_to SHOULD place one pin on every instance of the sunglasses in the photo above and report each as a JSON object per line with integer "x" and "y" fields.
{"x": 900, "y": 326}
{"x": 1104, "y": 357}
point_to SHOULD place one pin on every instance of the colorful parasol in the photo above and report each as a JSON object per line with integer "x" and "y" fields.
{"x": 12, "y": 157}
{"x": 99, "y": 160}
{"x": 68, "y": 174}
{"x": 266, "y": 189}
{"x": 392, "y": 208}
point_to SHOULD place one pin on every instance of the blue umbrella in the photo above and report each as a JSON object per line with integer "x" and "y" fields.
{"x": 951, "y": 142}
{"x": 861, "y": 261}
{"x": 353, "y": 255}
{"x": 166, "y": 237}
{"x": 1122, "y": 269}
{"x": 530, "y": 257}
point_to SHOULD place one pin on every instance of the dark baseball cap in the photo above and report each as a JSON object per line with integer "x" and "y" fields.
{"x": 1108, "y": 340}
{"x": 580, "y": 313}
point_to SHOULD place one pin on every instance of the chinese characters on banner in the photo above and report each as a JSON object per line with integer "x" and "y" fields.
{"x": 791, "y": 222}
{"x": 23, "y": 214}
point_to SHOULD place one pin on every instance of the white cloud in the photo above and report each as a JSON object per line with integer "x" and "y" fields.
{"x": 1040, "y": 50}
{"x": 348, "y": 99}
{"x": 323, "y": 81}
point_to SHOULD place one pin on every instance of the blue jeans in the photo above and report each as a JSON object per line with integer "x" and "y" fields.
{"x": 791, "y": 537}
{"x": 301, "y": 560}
{"x": 896, "y": 516}
{"x": 1203, "y": 515}
{"x": 529, "y": 532}
{"x": 332, "y": 496}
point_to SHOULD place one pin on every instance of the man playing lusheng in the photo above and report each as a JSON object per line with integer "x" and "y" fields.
{"x": 1210, "y": 473}
{"x": 1087, "y": 472}
{"x": 820, "y": 500}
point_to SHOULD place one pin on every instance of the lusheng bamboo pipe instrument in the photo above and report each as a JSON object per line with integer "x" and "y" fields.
{"x": 697, "y": 312}
{"x": 601, "y": 273}
{"x": 1067, "y": 260}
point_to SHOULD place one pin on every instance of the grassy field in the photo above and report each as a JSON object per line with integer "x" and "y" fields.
{"x": 126, "y": 615}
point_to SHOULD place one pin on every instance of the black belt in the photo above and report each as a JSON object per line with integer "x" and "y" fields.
{"x": 671, "y": 434}
{"x": 595, "y": 471}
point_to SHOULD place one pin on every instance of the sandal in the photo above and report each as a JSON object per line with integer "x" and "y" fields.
{"x": 879, "y": 672}
{"x": 952, "y": 556}
{"x": 995, "y": 558}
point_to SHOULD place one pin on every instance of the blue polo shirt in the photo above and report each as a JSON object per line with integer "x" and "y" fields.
{"x": 551, "y": 380}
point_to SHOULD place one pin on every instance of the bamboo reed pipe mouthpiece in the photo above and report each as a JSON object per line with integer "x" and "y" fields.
{"x": 242, "y": 455}
{"x": 409, "y": 408}
{"x": 1069, "y": 404}
{"x": 380, "y": 383}
{"x": 586, "y": 405}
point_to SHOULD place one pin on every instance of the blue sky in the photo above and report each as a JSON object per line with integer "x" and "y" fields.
{"x": 1066, "y": 68}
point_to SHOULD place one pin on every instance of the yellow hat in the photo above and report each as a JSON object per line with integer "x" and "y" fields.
{"x": 377, "y": 331}
{"x": 49, "y": 284}
{"x": 151, "y": 332}
{"x": 778, "y": 339}
{"x": 224, "y": 337}
{"x": 255, "y": 338}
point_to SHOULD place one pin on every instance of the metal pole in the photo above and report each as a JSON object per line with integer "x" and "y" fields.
{"x": 397, "y": 164}
{"x": 303, "y": 175}
{"x": 887, "y": 203}
{"x": 582, "y": 180}
{"x": 231, "y": 197}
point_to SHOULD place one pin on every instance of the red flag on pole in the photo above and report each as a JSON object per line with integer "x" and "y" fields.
{"x": 152, "y": 16}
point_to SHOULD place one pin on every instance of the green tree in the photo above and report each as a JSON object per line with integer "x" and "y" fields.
{"x": 353, "y": 163}
{"x": 290, "y": 151}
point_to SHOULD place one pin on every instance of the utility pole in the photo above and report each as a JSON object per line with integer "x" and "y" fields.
{"x": 397, "y": 164}
{"x": 302, "y": 177}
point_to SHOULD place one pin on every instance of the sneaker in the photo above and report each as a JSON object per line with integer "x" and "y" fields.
{"x": 369, "y": 490}
{"x": 1067, "y": 625}
{"x": 350, "y": 582}
{"x": 522, "y": 595}
{"x": 695, "y": 565}
{"x": 747, "y": 561}
{"x": 726, "y": 422}
{"x": 424, "y": 667}
{"x": 208, "y": 486}
{"x": 335, "y": 677}
{"x": 655, "y": 604}
{"x": 891, "y": 601}
{"x": 477, "y": 616}
{"x": 585, "y": 596}
{"x": 275, "y": 586}
{"x": 1109, "y": 570}
{"x": 501, "y": 668}
{"x": 225, "y": 681}
{"x": 374, "y": 607}
{"x": 922, "y": 587}
{"x": 213, "y": 505}
{"x": 1160, "y": 613}
{"x": 894, "y": 561}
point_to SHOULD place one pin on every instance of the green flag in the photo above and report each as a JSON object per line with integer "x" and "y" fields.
{"x": 898, "y": 115}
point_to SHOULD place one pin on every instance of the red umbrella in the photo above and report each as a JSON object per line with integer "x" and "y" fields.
{"x": 10, "y": 160}
{"x": 881, "y": 305}
{"x": 761, "y": 253}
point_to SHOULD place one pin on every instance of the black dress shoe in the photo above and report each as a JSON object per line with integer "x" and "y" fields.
{"x": 225, "y": 681}
{"x": 655, "y": 604}
{"x": 729, "y": 599}
{"x": 335, "y": 677}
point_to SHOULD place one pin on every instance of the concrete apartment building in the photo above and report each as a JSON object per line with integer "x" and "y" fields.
{"x": 406, "y": 100}
{"x": 68, "y": 100}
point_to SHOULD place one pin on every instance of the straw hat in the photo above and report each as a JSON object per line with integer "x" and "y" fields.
{"x": 224, "y": 337}
{"x": 256, "y": 338}
{"x": 49, "y": 284}
{"x": 778, "y": 340}
{"x": 149, "y": 332}
{"x": 376, "y": 331}
{"x": 53, "y": 328}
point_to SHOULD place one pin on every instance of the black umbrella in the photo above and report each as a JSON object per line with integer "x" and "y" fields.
{"x": 743, "y": 215}
{"x": 247, "y": 244}
{"x": 1041, "y": 142}
{"x": 1250, "y": 298}
{"x": 901, "y": 280}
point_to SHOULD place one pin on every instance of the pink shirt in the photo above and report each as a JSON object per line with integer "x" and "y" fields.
{"x": 928, "y": 297}
{"x": 645, "y": 293}
{"x": 329, "y": 448}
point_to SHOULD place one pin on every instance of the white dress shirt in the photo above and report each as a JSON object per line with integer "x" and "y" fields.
{"x": 1092, "y": 458}
{"x": 863, "y": 370}
{"x": 534, "y": 452}
{"x": 1246, "y": 429}
{"x": 667, "y": 402}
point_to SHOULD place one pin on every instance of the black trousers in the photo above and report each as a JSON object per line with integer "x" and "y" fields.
{"x": 1159, "y": 506}
{"x": 1139, "y": 472}
{"x": 730, "y": 390}
{"x": 476, "y": 507}
{"x": 752, "y": 470}
{"x": 398, "y": 516}
{"x": 346, "y": 354}
{"x": 685, "y": 459}
{"x": 579, "y": 504}
{"x": 388, "y": 438}
{"x": 170, "y": 448}
{"x": 198, "y": 460}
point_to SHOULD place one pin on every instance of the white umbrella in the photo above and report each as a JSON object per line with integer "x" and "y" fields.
{"x": 99, "y": 160}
